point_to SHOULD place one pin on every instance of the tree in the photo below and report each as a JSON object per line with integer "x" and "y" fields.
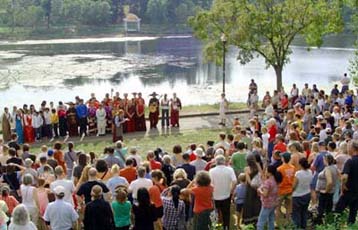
{"x": 265, "y": 28}
{"x": 156, "y": 11}
{"x": 353, "y": 63}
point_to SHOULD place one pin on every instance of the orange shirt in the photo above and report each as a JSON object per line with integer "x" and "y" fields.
{"x": 288, "y": 174}
{"x": 203, "y": 198}
{"x": 129, "y": 173}
{"x": 11, "y": 202}
{"x": 60, "y": 158}
{"x": 154, "y": 193}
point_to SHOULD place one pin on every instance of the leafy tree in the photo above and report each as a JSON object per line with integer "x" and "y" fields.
{"x": 184, "y": 10}
{"x": 353, "y": 63}
{"x": 265, "y": 28}
{"x": 96, "y": 13}
{"x": 156, "y": 11}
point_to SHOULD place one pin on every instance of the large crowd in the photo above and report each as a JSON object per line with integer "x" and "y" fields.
{"x": 295, "y": 161}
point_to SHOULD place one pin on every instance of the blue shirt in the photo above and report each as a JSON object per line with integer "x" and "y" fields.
{"x": 319, "y": 166}
{"x": 240, "y": 193}
{"x": 116, "y": 181}
{"x": 81, "y": 111}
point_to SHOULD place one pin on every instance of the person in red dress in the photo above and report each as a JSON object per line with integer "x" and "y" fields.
{"x": 175, "y": 107}
{"x": 140, "y": 116}
{"x": 130, "y": 114}
{"x": 28, "y": 129}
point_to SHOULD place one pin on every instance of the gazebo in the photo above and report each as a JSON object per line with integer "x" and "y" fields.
{"x": 129, "y": 20}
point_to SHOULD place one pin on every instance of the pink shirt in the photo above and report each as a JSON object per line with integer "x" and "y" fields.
{"x": 270, "y": 200}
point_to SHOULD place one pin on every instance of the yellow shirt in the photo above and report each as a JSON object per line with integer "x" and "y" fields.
{"x": 54, "y": 118}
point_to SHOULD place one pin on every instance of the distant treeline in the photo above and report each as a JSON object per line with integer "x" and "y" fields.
{"x": 36, "y": 13}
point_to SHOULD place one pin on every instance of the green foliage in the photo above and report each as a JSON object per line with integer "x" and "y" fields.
{"x": 156, "y": 11}
{"x": 95, "y": 13}
{"x": 265, "y": 27}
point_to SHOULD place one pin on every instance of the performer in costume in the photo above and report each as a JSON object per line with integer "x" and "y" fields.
{"x": 222, "y": 110}
{"x": 130, "y": 115}
{"x": 29, "y": 132}
{"x": 82, "y": 116}
{"x": 19, "y": 126}
{"x": 153, "y": 110}
{"x": 140, "y": 117}
{"x": 119, "y": 120}
{"x": 101, "y": 120}
{"x": 175, "y": 107}
{"x": 109, "y": 117}
{"x": 164, "y": 104}
{"x": 6, "y": 125}
{"x": 92, "y": 126}
{"x": 72, "y": 124}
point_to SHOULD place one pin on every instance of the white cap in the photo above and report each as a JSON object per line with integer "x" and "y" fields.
{"x": 319, "y": 117}
{"x": 59, "y": 190}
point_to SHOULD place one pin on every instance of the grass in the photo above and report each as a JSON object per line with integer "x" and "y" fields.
{"x": 152, "y": 141}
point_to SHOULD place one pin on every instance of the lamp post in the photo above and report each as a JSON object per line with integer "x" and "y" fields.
{"x": 223, "y": 40}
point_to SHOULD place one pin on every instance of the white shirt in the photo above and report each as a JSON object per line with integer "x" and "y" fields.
{"x": 222, "y": 144}
{"x": 69, "y": 189}
{"x": 137, "y": 158}
{"x": 28, "y": 226}
{"x": 37, "y": 121}
{"x": 199, "y": 164}
{"x": 222, "y": 178}
{"x": 42, "y": 154}
{"x": 139, "y": 183}
{"x": 47, "y": 117}
{"x": 101, "y": 114}
{"x": 304, "y": 178}
{"x": 60, "y": 214}
{"x": 27, "y": 192}
{"x": 265, "y": 140}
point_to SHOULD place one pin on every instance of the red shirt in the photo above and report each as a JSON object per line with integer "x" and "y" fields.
{"x": 280, "y": 146}
{"x": 155, "y": 164}
{"x": 203, "y": 198}
{"x": 129, "y": 173}
{"x": 284, "y": 103}
{"x": 192, "y": 157}
{"x": 272, "y": 131}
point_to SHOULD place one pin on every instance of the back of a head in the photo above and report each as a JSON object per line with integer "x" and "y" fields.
{"x": 240, "y": 145}
{"x": 115, "y": 169}
{"x": 129, "y": 162}
{"x": 186, "y": 157}
{"x": 220, "y": 160}
{"x": 20, "y": 215}
{"x": 141, "y": 172}
{"x": 96, "y": 191}
{"x": 58, "y": 171}
{"x": 27, "y": 179}
{"x": 92, "y": 172}
{"x": 101, "y": 166}
{"x": 119, "y": 144}
{"x": 143, "y": 197}
{"x": 202, "y": 178}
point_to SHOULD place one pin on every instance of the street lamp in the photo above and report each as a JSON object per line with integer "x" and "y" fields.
{"x": 223, "y": 40}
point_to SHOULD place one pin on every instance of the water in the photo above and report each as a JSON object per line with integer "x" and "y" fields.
{"x": 53, "y": 70}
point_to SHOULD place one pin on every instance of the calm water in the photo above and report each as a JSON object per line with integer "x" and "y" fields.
{"x": 53, "y": 70}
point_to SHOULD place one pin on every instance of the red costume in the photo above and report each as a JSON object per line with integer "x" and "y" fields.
{"x": 140, "y": 117}
{"x": 175, "y": 106}
{"x": 28, "y": 129}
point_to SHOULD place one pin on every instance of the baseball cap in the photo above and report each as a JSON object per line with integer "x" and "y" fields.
{"x": 59, "y": 190}
{"x": 50, "y": 152}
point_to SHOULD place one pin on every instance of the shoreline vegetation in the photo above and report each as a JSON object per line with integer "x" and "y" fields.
{"x": 117, "y": 30}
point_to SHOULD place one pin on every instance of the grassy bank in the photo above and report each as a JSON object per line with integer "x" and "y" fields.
{"x": 77, "y": 31}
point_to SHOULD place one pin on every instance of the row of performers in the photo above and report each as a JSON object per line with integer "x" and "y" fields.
{"x": 98, "y": 118}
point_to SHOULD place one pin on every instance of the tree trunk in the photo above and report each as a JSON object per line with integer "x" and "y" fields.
{"x": 278, "y": 71}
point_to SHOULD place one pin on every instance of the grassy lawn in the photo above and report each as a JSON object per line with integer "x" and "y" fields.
{"x": 152, "y": 141}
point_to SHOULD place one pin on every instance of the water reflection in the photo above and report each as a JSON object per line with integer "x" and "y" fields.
{"x": 61, "y": 69}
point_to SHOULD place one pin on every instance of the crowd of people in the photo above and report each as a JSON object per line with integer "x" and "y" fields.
{"x": 113, "y": 115}
{"x": 296, "y": 160}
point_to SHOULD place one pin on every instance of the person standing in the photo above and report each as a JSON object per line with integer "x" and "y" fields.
{"x": 119, "y": 121}
{"x": 175, "y": 107}
{"x": 19, "y": 127}
{"x": 164, "y": 104}
{"x": 345, "y": 83}
{"x": 72, "y": 125}
{"x": 30, "y": 197}
{"x": 62, "y": 119}
{"x": 63, "y": 182}
{"x": 82, "y": 113}
{"x": 60, "y": 214}
{"x": 98, "y": 212}
{"x": 29, "y": 128}
{"x": 223, "y": 107}
{"x": 349, "y": 197}
{"x": 54, "y": 122}
{"x": 140, "y": 116}
{"x": 6, "y": 125}
{"x": 153, "y": 110}
{"x": 223, "y": 179}
{"x": 173, "y": 209}
{"x": 70, "y": 159}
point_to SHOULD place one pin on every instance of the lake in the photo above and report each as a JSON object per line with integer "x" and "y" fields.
{"x": 53, "y": 70}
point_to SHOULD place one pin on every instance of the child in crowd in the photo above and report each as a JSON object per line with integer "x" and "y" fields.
{"x": 239, "y": 198}
{"x": 265, "y": 138}
{"x": 121, "y": 209}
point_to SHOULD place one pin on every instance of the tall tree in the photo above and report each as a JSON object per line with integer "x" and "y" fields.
{"x": 265, "y": 28}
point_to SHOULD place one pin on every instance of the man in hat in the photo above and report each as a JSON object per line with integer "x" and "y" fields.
{"x": 60, "y": 214}
{"x": 199, "y": 163}
{"x": 153, "y": 110}
{"x": 98, "y": 212}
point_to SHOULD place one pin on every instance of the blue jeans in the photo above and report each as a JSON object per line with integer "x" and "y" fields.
{"x": 300, "y": 210}
{"x": 267, "y": 215}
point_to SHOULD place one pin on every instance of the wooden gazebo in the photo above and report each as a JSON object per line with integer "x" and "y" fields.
{"x": 131, "y": 23}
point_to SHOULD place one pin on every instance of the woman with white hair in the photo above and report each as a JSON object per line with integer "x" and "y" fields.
{"x": 30, "y": 197}
{"x": 20, "y": 219}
